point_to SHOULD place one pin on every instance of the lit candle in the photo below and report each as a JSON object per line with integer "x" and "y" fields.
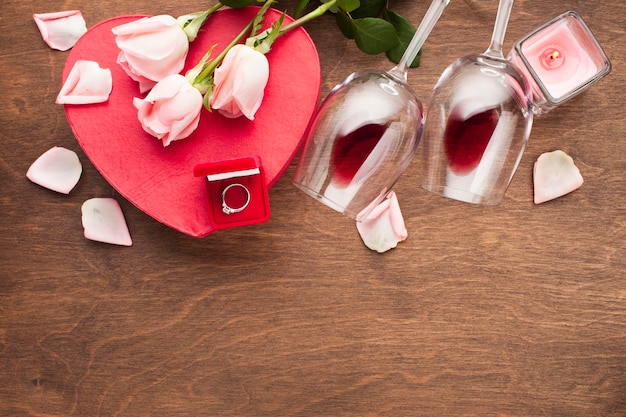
{"x": 560, "y": 59}
{"x": 551, "y": 58}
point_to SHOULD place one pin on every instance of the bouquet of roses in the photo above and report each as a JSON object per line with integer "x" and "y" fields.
{"x": 153, "y": 52}
{"x": 233, "y": 83}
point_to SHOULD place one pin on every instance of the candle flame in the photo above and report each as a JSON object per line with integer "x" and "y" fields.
{"x": 554, "y": 55}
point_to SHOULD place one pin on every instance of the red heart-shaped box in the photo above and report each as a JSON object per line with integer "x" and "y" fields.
{"x": 160, "y": 180}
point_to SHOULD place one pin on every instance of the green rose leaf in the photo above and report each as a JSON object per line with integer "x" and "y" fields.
{"x": 236, "y": 3}
{"x": 374, "y": 35}
{"x": 345, "y": 24}
{"x": 369, "y": 8}
{"x": 404, "y": 32}
{"x": 348, "y": 5}
{"x": 300, "y": 6}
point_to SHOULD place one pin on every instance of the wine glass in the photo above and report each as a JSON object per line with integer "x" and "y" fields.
{"x": 479, "y": 119}
{"x": 365, "y": 134}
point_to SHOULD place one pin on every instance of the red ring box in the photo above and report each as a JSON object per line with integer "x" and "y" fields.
{"x": 243, "y": 174}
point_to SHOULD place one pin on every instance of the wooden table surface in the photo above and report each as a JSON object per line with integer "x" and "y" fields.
{"x": 511, "y": 310}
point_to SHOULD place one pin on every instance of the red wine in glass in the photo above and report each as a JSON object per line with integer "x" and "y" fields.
{"x": 351, "y": 150}
{"x": 466, "y": 139}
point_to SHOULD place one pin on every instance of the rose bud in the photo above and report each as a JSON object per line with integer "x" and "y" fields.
{"x": 240, "y": 82}
{"x": 151, "y": 48}
{"x": 171, "y": 110}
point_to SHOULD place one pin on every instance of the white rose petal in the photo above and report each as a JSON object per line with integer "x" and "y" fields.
{"x": 104, "y": 221}
{"x": 384, "y": 227}
{"x": 86, "y": 83}
{"x": 58, "y": 169}
{"x": 555, "y": 175}
{"x": 61, "y": 30}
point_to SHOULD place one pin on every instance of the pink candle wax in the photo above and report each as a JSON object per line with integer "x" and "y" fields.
{"x": 559, "y": 59}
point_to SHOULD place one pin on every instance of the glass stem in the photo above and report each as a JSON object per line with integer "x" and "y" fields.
{"x": 499, "y": 29}
{"x": 428, "y": 23}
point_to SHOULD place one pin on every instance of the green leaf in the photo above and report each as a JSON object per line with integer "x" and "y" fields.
{"x": 404, "y": 33}
{"x": 263, "y": 42}
{"x": 192, "y": 23}
{"x": 369, "y": 8}
{"x": 374, "y": 35}
{"x": 236, "y": 3}
{"x": 300, "y": 6}
{"x": 206, "y": 99}
{"x": 348, "y": 5}
{"x": 345, "y": 24}
{"x": 257, "y": 22}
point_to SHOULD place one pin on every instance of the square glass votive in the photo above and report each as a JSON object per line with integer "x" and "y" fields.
{"x": 560, "y": 59}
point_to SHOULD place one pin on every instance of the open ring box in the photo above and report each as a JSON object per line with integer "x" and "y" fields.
{"x": 237, "y": 192}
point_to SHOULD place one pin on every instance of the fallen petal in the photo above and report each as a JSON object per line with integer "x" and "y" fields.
{"x": 86, "y": 83}
{"x": 555, "y": 175}
{"x": 58, "y": 169}
{"x": 104, "y": 221}
{"x": 384, "y": 227}
{"x": 61, "y": 30}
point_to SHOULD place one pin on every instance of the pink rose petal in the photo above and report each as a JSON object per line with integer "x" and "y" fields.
{"x": 555, "y": 175}
{"x": 58, "y": 169}
{"x": 86, "y": 83}
{"x": 61, "y": 30}
{"x": 384, "y": 227}
{"x": 104, "y": 221}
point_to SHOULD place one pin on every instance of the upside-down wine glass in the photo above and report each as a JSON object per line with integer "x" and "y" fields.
{"x": 365, "y": 134}
{"x": 479, "y": 119}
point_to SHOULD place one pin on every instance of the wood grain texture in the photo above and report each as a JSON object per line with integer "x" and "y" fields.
{"x": 514, "y": 310}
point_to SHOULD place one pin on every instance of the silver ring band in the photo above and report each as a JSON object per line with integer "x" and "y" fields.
{"x": 230, "y": 210}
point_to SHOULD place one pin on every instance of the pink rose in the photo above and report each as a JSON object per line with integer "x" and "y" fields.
{"x": 171, "y": 110}
{"x": 240, "y": 82}
{"x": 151, "y": 48}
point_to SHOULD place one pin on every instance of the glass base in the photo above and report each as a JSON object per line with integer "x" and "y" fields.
{"x": 329, "y": 203}
{"x": 360, "y": 216}
{"x": 462, "y": 195}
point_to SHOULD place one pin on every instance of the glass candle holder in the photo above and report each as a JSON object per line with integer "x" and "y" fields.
{"x": 560, "y": 59}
